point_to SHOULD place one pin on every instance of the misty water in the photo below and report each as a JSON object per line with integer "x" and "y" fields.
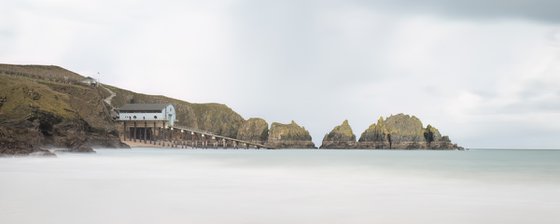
{"x": 284, "y": 186}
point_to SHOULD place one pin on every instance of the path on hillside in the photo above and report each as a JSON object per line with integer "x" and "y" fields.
{"x": 110, "y": 98}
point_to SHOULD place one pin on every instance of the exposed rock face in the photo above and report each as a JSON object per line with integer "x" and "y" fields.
{"x": 435, "y": 140}
{"x": 21, "y": 139}
{"x": 289, "y": 136}
{"x": 341, "y": 137}
{"x": 403, "y": 132}
{"x": 45, "y": 106}
{"x": 213, "y": 117}
{"x": 253, "y": 130}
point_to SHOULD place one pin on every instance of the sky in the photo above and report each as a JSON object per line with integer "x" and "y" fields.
{"x": 486, "y": 73}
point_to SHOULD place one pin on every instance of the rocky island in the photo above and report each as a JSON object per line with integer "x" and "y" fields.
{"x": 289, "y": 136}
{"x": 396, "y": 132}
{"x": 341, "y": 137}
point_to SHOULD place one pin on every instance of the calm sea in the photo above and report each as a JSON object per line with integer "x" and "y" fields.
{"x": 285, "y": 186}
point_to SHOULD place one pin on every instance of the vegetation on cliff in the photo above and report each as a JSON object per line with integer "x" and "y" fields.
{"x": 397, "y": 129}
{"x": 253, "y": 130}
{"x": 289, "y": 136}
{"x": 53, "y": 109}
{"x": 341, "y": 137}
{"x": 403, "y": 132}
{"x": 216, "y": 118}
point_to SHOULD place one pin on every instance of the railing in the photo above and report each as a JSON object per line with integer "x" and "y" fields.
{"x": 219, "y": 136}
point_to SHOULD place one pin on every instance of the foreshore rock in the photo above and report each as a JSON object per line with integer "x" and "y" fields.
{"x": 289, "y": 136}
{"x": 341, "y": 137}
{"x": 19, "y": 140}
{"x": 253, "y": 130}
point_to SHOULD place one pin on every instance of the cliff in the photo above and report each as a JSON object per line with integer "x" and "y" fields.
{"x": 403, "y": 132}
{"x": 341, "y": 137}
{"x": 253, "y": 130}
{"x": 216, "y": 118}
{"x": 289, "y": 136}
{"x": 47, "y": 106}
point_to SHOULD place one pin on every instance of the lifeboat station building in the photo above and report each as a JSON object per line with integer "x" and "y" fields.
{"x": 145, "y": 121}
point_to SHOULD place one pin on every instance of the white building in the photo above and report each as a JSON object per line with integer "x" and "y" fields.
{"x": 89, "y": 81}
{"x": 148, "y": 112}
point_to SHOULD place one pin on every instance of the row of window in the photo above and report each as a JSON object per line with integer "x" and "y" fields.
{"x": 134, "y": 117}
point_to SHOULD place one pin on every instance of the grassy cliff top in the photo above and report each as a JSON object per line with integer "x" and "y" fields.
{"x": 40, "y": 72}
{"x": 21, "y": 96}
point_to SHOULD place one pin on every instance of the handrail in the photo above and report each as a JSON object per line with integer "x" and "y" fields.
{"x": 219, "y": 136}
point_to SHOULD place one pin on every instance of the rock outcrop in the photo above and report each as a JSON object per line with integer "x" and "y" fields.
{"x": 289, "y": 136}
{"x": 253, "y": 130}
{"x": 403, "y": 132}
{"x": 341, "y": 137}
{"x": 21, "y": 139}
{"x": 46, "y": 106}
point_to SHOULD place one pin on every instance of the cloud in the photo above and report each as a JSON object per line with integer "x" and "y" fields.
{"x": 538, "y": 10}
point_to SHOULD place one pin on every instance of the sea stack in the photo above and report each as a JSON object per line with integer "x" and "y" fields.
{"x": 289, "y": 136}
{"x": 403, "y": 132}
{"x": 341, "y": 137}
{"x": 253, "y": 130}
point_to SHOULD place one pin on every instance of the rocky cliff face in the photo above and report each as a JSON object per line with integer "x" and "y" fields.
{"x": 403, "y": 132}
{"x": 46, "y": 106}
{"x": 216, "y": 118}
{"x": 341, "y": 137}
{"x": 289, "y": 136}
{"x": 20, "y": 138}
{"x": 253, "y": 130}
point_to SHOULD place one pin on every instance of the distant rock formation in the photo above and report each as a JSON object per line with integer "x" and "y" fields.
{"x": 289, "y": 136}
{"x": 253, "y": 130}
{"x": 403, "y": 132}
{"x": 49, "y": 106}
{"x": 341, "y": 137}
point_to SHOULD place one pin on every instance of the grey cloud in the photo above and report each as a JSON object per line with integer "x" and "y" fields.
{"x": 539, "y": 10}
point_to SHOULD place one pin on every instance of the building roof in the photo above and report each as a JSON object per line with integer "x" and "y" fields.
{"x": 89, "y": 78}
{"x": 142, "y": 107}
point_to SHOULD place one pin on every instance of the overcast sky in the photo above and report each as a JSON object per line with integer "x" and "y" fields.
{"x": 485, "y": 72}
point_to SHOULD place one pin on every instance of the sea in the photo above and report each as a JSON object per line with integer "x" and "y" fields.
{"x": 148, "y": 185}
